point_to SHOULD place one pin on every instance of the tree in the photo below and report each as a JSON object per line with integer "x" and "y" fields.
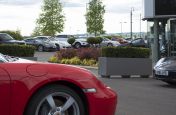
{"x": 37, "y": 31}
{"x": 94, "y": 17}
{"x": 51, "y": 20}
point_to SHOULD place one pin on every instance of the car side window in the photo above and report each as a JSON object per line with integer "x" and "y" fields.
{"x": 2, "y": 59}
{"x": 136, "y": 41}
{"x": 42, "y": 38}
{"x": 1, "y": 38}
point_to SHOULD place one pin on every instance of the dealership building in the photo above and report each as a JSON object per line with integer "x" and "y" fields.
{"x": 161, "y": 26}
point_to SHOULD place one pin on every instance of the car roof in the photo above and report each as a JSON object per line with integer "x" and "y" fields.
{"x": 42, "y": 36}
{"x": 3, "y": 33}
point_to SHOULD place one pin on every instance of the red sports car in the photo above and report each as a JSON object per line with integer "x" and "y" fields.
{"x": 34, "y": 88}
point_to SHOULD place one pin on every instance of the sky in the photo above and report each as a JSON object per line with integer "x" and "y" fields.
{"x": 22, "y": 14}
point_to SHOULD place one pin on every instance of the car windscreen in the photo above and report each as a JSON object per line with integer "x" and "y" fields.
{"x": 61, "y": 39}
{"x": 2, "y": 58}
{"x": 5, "y": 37}
{"x": 6, "y": 58}
{"x": 106, "y": 39}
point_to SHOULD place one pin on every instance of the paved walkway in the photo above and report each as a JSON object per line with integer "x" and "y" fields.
{"x": 43, "y": 56}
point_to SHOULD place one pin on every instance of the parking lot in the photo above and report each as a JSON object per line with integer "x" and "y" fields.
{"x": 137, "y": 96}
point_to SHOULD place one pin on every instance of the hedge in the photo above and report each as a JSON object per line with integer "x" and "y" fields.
{"x": 125, "y": 52}
{"x": 94, "y": 40}
{"x": 82, "y": 53}
{"x": 71, "y": 40}
{"x": 17, "y": 50}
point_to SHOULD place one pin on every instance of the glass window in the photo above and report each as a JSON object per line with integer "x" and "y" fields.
{"x": 165, "y": 7}
{"x": 2, "y": 58}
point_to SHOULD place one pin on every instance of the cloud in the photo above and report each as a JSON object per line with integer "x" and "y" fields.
{"x": 66, "y": 3}
{"x": 19, "y": 2}
{"x": 74, "y": 3}
{"x": 123, "y": 7}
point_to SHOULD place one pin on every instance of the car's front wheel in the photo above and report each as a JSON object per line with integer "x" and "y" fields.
{"x": 40, "y": 48}
{"x": 55, "y": 100}
{"x": 77, "y": 45}
{"x": 110, "y": 45}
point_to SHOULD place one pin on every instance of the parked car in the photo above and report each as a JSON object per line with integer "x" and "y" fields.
{"x": 30, "y": 41}
{"x": 128, "y": 39}
{"x": 139, "y": 42}
{"x": 7, "y": 39}
{"x": 64, "y": 36}
{"x": 62, "y": 42}
{"x": 44, "y": 43}
{"x": 81, "y": 42}
{"x": 165, "y": 70}
{"x": 120, "y": 40}
{"x": 108, "y": 42}
{"x": 36, "y": 88}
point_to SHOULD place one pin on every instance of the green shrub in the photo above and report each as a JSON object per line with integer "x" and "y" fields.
{"x": 71, "y": 40}
{"x": 109, "y": 37}
{"x": 125, "y": 52}
{"x": 94, "y": 40}
{"x": 75, "y": 61}
{"x": 65, "y": 61}
{"x": 89, "y": 62}
{"x": 53, "y": 59}
{"x": 17, "y": 50}
{"x": 15, "y": 34}
{"x": 91, "y": 40}
{"x": 98, "y": 40}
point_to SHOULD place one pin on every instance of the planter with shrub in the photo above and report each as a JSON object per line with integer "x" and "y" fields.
{"x": 94, "y": 41}
{"x": 125, "y": 61}
{"x": 23, "y": 51}
{"x": 83, "y": 56}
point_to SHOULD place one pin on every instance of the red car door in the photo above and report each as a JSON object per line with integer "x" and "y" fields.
{"x": 4, "y": 92}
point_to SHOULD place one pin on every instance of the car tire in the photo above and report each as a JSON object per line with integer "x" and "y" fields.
{"x": 77, "y": 45}
{"x": 40, "y": 48}
{"x": 110, "y": 45}
{"x": 58, "y": 47}
{"x": 55, "y": 99}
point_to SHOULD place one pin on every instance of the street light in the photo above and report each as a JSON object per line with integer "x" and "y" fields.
{"x": 121, "y": 23}
{"x": 140, "y": 25}
{"x": 131, "y": 22}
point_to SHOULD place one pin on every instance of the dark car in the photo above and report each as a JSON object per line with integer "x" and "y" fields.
{"x": 7, "y": 39}
{"x": 165, "y": 70}
{"x": 139, "y": 42}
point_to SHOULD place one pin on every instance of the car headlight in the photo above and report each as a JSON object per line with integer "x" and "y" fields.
{"x": 90, "y": 90}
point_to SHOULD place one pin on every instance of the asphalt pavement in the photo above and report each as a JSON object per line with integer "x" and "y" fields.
{"x": 137, "y": 96}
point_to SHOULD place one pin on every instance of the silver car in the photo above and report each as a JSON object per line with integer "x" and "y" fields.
{"x": 108, "y": 42}
{"x": 81, "y": 42}
{"x": 44, "y": 43}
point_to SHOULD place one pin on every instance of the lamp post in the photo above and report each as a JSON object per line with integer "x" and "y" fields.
{"x": 131, "y": 22}
{"x": 121, "y": 24}
{"x": 140, "y": 26}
